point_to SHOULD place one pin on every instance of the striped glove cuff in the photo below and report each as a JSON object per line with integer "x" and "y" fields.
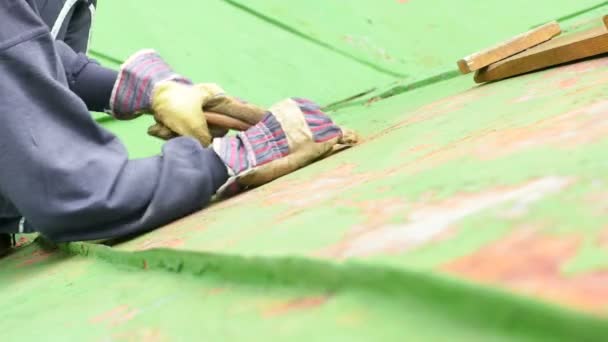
{"x": 132, "y": 92}
{"x": 260, "y": 144}
{"x": 296, "y": 126}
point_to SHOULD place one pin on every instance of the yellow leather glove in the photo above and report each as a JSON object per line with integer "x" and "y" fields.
{"x": 179, "y": 106}
{"x": 147, "y": 84}
{"x": 221, "y": 112}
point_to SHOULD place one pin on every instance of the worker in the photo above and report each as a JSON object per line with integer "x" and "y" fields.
{"x": 69, "y": 179}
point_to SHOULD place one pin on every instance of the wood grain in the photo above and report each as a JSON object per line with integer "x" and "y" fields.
{"x": 563, "y": 49}
{"x": 509, "y": 48}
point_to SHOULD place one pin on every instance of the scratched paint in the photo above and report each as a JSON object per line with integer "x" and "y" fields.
{"x": 429, "y": 222}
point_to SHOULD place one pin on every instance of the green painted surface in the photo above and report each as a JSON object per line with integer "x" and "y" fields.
{"x": 468, "y": 212}
{"x": 414, "y": 38}
{"x": 211, "y": 41}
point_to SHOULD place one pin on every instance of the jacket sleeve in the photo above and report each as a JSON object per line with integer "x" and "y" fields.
{"x": 70, "y": 178}
{"x": 89, "y": 80}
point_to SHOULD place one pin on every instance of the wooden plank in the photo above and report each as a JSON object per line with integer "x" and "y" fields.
{"x": 560, "y": 50}
{"x": 509, "y": 48}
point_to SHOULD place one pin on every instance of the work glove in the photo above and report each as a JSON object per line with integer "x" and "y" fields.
{"x": 222, "y": 113}
{"x": 147, "y": 84}
{"x": 293, "y": 134}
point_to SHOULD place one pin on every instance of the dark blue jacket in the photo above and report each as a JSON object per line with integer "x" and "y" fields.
{"x": 67, "y": 176}
{"x": 69, "y": 20}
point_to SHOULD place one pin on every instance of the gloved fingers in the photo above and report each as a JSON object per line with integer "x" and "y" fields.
{"x": 225, "y": 121}
{"x": 210, "y": 91}
{"x": 161, "y": 131}
{"x": 199, "y": 132}
{"x": 217, "y": 131}
{"x": 349, "y": 137}
{"x": 216, "y": 100}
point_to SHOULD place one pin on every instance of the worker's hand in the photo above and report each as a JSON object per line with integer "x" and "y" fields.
{"x": 221, "y": 112}
{"x": 293, "y": 134}
{"x": 147, "y": 84}
{"x": 178, "y": 107}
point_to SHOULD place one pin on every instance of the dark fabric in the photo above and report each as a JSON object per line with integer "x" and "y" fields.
{"x": 70, "y": 178}
{"x": 75, "y": 26}
{"x": 90, "y": 81}
{"x": 6, "y": 242}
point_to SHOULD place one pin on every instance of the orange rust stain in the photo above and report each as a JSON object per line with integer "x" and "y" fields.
{"x": 436, "y": 109}
{"x": 22, "y": 241}
{"x": 430, "y": 221}
{"x": 36, "y": 257}
{"x": 319, "y": 189}
{"x": 118, "y": 315}
{"x": 299, "y": 195}
{"x": 295, "y": 305}
{"x": 568, "y": 83}
{"x": 554, "y": 81}
{"x": 530, "y": 263}
{"x": 577, "y": 69}
{"x": 580, "y": 126}
{"x": 216, "y": 291}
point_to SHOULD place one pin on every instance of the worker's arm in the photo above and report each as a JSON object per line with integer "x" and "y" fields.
{"x": 89, "y": 80}
{"x": 70, "y": 178}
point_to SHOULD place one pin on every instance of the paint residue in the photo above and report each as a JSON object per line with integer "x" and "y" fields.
{"x": 530, "y": 262}
{"x": 296, "y": 305}
{"x": 427, "y": 223}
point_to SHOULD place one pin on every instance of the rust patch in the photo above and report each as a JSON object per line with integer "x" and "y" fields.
{"x": 581, "y": 126}
{"x": 530, "y": 263}
{"x": 428, "y": 222}
{"x": 567, "y": 77}
{"x": 36, "y": 257}
{"x": 321, "y": 188}
{"x": 299, "y": 195}
{"x": 296, "y": 305}
{"x": 568, "y": 83}
{"x": 216, "y": 291}
{"x": 118, "y": 315}
{"x": 436, "y": 109}
{"x": 23, "y": 241}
